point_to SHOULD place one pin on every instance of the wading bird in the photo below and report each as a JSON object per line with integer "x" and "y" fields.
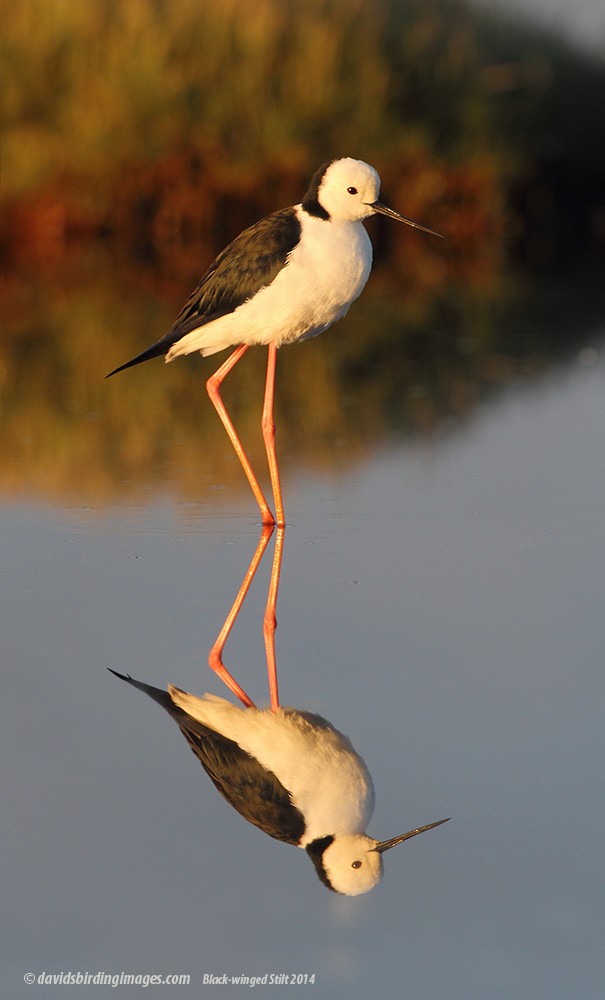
{"x": 286, "y": 278}
{"x": 291, "y": 774}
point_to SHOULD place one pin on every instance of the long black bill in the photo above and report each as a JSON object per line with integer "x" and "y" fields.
{"x": 385, "y": 210}
{"x": 385, "y": 845}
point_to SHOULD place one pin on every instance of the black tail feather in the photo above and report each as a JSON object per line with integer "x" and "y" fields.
{"x": 162, "y": 347}
{"x": 162, "y": 697}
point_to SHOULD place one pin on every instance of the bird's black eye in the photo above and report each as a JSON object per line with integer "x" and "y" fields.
{"x": 352, "y": 190}
{"x": 356, "y": 864}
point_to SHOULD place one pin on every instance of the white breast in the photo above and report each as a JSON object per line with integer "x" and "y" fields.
{"x": 325, "y": 273}
{"x": 328, "y": 781}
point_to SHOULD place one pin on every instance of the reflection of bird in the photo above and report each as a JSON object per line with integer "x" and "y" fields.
{"x": 291, "y": 774}
{"x": 286, "y": 278}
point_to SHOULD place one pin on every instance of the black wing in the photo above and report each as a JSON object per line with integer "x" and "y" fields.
{"x": 249, "y": 263}
{"x": 255, "y": 792}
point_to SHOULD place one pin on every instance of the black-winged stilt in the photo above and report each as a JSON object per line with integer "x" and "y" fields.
{"x": 286, "y": 278}
{"x": 291, "y": 774}
{"x": 288, "y": 772}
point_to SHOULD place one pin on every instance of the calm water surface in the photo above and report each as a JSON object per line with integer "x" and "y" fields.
{"x": 441, "y": 602}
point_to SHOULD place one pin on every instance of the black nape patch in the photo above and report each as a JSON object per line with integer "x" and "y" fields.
{"x": 315, "y": 850}
{"x": 310, "y": 202}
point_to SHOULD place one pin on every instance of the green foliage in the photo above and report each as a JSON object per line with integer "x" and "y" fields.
{"x": 161, "y": 118}
{"x": 88, "y": 87}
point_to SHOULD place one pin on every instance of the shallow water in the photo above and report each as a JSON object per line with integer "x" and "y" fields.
{"x": 441, "y": 602}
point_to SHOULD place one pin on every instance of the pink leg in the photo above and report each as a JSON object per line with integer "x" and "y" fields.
{"x": 268, "y": 428}
{"x": 213, "y": 387}
{"x": 270, "y": 620}
{"x": 215, "y": 659}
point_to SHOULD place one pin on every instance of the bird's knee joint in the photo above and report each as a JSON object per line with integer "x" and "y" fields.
{"x": 268, "y": 428}
{"x": 214, "y": 660}
{"x": 270, "y": 624}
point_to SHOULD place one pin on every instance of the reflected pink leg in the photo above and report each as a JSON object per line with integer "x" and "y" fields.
{"x": 270, "y": 620}
{"x": 268, "y": 428}
{"x": 213, "y": 387}
{"x": 215, "y": 658}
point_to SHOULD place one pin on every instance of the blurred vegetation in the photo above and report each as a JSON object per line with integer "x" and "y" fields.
{"x": 151, "y": 117}
{"x": 140, "y": 135}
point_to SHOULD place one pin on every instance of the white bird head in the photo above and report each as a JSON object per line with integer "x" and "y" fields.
{"x": 347, "y": 188}
{"x": 347, "y": 191}
{"x": 353, "y": 862}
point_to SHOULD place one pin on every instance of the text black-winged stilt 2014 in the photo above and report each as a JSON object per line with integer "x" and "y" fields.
{"x": 286, "y": 278}
{"x": 291, "y": 774}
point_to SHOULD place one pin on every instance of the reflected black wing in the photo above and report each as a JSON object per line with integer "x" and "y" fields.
{"x": 255, "y": 792}
{"x": 251, "y": 262}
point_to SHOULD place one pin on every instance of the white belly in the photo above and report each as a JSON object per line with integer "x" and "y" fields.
{"x": 329, "y": 782}
{"x": 325, "y": 273}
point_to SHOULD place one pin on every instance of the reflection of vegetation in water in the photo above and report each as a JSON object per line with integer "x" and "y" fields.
{"x": 402, "y": 362}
